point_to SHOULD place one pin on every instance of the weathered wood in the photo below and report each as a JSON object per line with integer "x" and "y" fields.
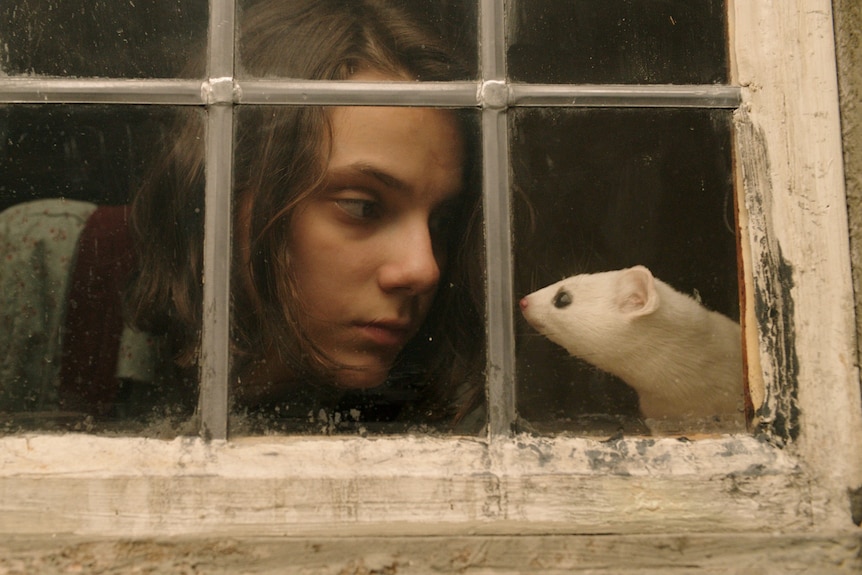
{"x": 763, "y": 554}
{"x": 789, "y": 150}
{"x": 435, "y": 486}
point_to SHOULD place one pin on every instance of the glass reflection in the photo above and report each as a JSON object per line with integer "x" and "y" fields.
{"x": 335, "y": 34}
{"x": 358, "y": 286}
{"x": 81, "y": 38}
{"x": 386, "y": 326}
{"x": 72, "y": 356}
{"x": 603, "y": 190}
{"x": 617, "y": 41}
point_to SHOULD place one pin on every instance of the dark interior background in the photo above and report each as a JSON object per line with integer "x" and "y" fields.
{"x": 86, "y": 152}
{"x": 102, "y": 38}
{"x": 617, "y": 41}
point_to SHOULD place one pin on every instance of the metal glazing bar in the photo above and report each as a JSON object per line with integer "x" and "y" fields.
{"x": 498, "y": 251}
{"x": 440, "y": 94}
{"x": 498, "y": 234}
{"x": 677, "y": 96}
{"x": 492, "y": 34}
{"x": 17, "y": 90}
{"x": 34, "y": 90}
{"x": 215, "y": 331}
{"x": 221, "y": 38}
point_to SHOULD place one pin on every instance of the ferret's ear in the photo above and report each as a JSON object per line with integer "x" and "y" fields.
{"x": 636, "y": 293}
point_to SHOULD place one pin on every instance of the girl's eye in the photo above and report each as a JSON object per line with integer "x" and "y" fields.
{"x": 359, "y": 208}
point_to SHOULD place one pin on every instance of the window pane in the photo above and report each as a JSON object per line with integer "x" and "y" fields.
{"x": 141, "y": 39}
{"x": 601, "y": 190}
{"x": 89, "y": 153}
{"x": 69, "y": 356}
{"x": 331, "y": 40}
{"x": 618, "y": 41}
{"x": 358, "y": 294}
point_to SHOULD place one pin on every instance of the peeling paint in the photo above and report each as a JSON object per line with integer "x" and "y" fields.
{"x": 775, "y": 312}
{"x": 607, "y": 462}
{"x": 778, "y": 416}
{"x": 856, "y": 505}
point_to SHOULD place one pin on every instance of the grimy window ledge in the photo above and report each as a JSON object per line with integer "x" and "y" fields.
{"x": 414, "y": 505}
{"x": 356, "y": 486}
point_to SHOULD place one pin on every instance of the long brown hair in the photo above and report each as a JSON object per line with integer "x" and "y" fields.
{"x": 279, "y": 160}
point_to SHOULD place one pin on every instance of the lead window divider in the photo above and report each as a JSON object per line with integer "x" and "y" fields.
{"x": 179, "y": 91}
{"x": 500, "y": 376}
{"x": 346, "y": 92}
{"x": 38, "y": 90}
{"x": 624, "y": 95}
{"x": 215, "y": 328}
{"x": 500, "y": 331}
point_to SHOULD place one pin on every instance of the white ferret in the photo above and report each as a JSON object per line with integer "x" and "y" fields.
{"x": 683, "y": 360}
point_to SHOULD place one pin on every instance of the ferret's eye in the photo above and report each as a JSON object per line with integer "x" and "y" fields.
{"x": 562, "y": 299}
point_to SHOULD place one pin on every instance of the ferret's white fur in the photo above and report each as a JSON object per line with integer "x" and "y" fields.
{"x": 683, "y": 360}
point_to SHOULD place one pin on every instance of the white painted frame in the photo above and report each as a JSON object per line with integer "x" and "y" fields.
{"x": 793, "y": 213}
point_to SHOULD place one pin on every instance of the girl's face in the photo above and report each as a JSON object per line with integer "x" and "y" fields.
{"x": 367, "y": 250}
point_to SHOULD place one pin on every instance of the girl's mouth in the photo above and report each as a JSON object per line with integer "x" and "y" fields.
{"x": 389, "y": 334}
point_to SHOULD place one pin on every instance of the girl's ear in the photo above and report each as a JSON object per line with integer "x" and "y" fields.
{"x": 636, "y": 293}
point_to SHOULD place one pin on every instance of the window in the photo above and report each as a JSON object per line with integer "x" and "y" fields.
{"x": 767, "y": 128}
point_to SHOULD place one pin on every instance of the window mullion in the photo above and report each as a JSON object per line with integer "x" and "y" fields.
{"x": 492, "y": 39}
{"x": 39, "y": 90}
{"x": 498, "y": 233}
{"x": 353, "y": 93}
{"x": 215, "y": 329}
{"x": 624, "y": 95}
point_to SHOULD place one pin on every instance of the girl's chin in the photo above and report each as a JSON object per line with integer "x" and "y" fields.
{"x": 361, "y": 377}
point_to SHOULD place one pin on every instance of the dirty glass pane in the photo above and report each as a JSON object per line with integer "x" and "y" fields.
{"x": 605, "y": 190}
{"x": 87, "y": 38}
{"x": 617, "y": 41}
{"x": 89, "y": 153}
{"x": 358, "y": 294}
{"x": 73, "y": 356}
{"x": 328, "y": 40}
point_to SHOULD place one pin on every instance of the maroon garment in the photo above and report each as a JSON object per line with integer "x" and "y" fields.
{"x": 94, "y": 319}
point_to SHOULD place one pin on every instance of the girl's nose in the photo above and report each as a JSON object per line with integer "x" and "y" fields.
{"x": 411, "y": 263}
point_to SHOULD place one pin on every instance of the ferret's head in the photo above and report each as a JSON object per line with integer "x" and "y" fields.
{"x": 591, "y": 315}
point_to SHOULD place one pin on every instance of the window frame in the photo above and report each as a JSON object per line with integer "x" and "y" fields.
{"x": 795, "y": 262}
